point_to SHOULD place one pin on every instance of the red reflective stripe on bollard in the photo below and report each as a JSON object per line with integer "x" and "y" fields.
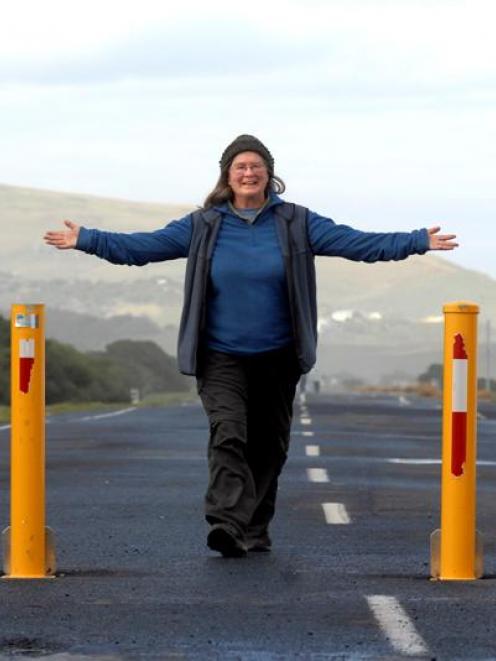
{"x": 459, "y": 347}
{"x": 26, "y": 362}
{"x": 25, "y": 368}
{"x": 459, "y": 407}
{"x": 459, "y": 443}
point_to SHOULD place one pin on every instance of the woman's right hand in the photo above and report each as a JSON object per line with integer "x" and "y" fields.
{"x": 65, "y": 239}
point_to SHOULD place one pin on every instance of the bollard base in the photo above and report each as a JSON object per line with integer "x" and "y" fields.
{"x": 436, "y": 559}
{"x": 436, "y": 554}
{"x": 50, "y": 561}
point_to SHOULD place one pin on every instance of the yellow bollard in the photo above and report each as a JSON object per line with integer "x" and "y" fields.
{"x": 456, "y": 549}
{"x": 29, "y": 550}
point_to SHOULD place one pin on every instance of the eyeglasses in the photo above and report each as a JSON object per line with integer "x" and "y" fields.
{"x": 242, "y": 167}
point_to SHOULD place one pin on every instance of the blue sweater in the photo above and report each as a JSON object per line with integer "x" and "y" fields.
{"x": 247, "y": 303}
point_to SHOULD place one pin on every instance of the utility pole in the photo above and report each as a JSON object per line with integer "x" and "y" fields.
{"x": 488, "y": 355}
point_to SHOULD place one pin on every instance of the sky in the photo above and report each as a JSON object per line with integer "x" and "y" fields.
{"x": 380, "y": 114}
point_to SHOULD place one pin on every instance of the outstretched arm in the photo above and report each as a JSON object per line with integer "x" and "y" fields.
{"x": 327, "y": 238}
{"x": 136, "y": 248}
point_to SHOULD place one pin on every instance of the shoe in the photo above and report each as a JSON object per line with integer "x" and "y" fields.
{"x": 261, "y": 543}
{"x": 221, "y": 538}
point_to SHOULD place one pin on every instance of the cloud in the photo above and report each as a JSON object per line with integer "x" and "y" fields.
{"x": 379, "y": 50}
{"x": 169, "y": 51}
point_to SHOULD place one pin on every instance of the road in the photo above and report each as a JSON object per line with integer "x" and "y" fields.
{"x": 348, "y": 577}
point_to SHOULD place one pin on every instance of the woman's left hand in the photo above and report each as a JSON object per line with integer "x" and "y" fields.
{"x": 441, "y": 241}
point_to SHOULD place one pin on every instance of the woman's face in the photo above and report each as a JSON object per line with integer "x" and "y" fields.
{"x": 248, "y": 176}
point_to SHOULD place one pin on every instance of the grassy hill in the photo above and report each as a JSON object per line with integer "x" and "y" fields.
{"x": 26, "y": 213}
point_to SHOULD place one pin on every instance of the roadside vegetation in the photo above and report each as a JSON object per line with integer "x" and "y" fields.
{"x": 430, "y": 384}
{"x": 127, "y": 370}
{"x": 433, "y": 378}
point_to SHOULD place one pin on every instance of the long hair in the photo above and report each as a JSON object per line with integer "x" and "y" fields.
{"x": 222, "y": 192}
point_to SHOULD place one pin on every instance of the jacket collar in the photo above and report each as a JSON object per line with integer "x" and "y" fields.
{"x": 274, "y": 200}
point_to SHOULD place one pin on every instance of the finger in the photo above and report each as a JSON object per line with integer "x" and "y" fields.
{"x": 54, "y": 238}
{"x": 56, "y": 241}
{"x": 434, "y": 230}
{"x": 69, "y": 223}
{"x": 53, "y": 235}
{"x": 446, "y": 246}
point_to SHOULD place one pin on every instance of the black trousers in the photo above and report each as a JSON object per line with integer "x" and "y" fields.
{"x": 249, "y": 403}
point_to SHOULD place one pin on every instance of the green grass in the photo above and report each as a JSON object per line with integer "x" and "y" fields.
{"x": 159, "y": 399}
{"x": 154, "y": 400}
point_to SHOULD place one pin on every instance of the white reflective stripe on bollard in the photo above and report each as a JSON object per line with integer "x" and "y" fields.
{"x": 460, "y": 381}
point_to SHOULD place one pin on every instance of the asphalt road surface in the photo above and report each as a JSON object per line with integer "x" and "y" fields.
{"x": 348, "y": 577}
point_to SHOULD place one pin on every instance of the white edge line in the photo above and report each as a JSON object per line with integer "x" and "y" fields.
{"x": 88, "y": 417}
{"x": 418, "y": 462}
{"x": 4, "y": 427}
{"x": 431, "y": 462}
{"x": 106, "y": 415}
{"x": 396, "y": 625}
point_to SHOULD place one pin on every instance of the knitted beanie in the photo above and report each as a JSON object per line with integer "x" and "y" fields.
{"x": 246, "y": 143}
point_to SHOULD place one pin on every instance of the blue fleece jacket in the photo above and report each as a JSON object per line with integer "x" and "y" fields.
{"x": 247, "y": 303}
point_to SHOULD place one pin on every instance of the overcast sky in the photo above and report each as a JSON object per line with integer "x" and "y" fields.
{"x": 379, "y": 113}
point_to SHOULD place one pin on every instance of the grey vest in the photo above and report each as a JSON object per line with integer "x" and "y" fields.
{"x": 291, "y": 226}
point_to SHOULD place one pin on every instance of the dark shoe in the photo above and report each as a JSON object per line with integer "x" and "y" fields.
{"x": 221, "y": 538}
{"x": 261, "y": 543}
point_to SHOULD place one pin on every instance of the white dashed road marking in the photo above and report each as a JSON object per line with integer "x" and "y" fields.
{"x": 396, "y": 625}
{"x": 5, "y": 427}
{"x": 335, "y": 513}
{"x": 312, "y": 450}
{"x": 308, "y": 433}
{"x": 317, "y": 475}
{"x": 306, "y": 421}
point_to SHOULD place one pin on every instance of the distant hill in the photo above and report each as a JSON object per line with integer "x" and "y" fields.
{"x": 414, "y": 288}
{"x": 26, "y": 213}
{"x": 385, "y": 307}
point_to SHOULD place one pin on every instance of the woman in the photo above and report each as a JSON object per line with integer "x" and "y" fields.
{"x": 248, "y": 328}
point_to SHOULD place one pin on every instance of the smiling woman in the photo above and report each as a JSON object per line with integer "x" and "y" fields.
{"x": 249, "y": 324}
{"x": 246, "y": 175}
